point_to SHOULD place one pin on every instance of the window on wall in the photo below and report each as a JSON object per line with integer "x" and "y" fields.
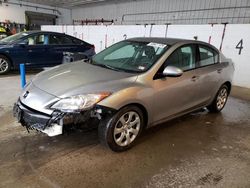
{"x": 183, "y": 58}
{"x": 207, "y": 56}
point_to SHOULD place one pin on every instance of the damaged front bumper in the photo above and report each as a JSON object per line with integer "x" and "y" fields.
{"x": 53, "y": 124}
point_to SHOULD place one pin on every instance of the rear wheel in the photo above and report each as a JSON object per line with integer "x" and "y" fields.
{"x": 220, "y": 100}
{"x": 4, "y": 65}
{"x": 120, "y": 132}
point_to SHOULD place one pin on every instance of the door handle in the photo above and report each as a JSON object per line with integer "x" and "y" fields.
{"x": 194, "y": 78}
{"x": 219, "y": 70}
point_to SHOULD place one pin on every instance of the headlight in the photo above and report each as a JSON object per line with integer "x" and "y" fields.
{"x": 79, "y": 102}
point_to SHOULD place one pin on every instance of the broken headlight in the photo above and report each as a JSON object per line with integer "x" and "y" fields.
{"x": 79, "y": 102}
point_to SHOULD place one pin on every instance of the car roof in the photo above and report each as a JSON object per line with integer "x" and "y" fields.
{"x": 169, "y": 41}
{"x": 36, "y": 31}
{"x": 51, "y": 32}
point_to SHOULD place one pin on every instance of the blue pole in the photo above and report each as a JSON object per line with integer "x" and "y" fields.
{"x": 22, "y": 74}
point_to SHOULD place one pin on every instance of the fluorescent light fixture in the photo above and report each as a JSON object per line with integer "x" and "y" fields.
{"x": 76, "y": 3}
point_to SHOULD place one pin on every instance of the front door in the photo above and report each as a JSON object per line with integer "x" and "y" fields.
{"x": 37, "y": 48}
{"x": 174, "y": 95}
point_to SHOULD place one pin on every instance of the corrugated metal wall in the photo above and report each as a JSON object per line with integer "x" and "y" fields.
{"x": 168, "y": 11}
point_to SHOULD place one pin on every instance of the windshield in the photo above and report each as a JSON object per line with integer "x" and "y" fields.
{"x": 130, "y": 56}
{"x": 13, "y": 38}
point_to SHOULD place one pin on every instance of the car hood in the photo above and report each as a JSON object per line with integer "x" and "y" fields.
{"x": 79, "y": 78}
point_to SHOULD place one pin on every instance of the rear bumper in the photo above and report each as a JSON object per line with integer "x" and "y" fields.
{"x": 53, "y": 124}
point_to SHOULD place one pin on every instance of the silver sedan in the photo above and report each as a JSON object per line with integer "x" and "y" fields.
{"x": 132, "y": 85}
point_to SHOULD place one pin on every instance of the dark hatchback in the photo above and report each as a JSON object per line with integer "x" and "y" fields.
{"x": 37, "y": 49}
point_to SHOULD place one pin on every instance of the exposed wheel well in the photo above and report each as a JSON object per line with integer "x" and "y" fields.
{"x": 144, "y": 111}
{"x": 229, "y": 85}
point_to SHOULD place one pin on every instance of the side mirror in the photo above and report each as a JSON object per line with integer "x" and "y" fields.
{"x": 172, "y": 71}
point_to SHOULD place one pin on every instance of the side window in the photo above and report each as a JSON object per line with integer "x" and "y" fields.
{"x": 76, "y": 41}
{"x": 37, "y": 40}
{"x": 66, "y": 40}
{"x": 31, "y": 40}
{"x": 207, "y": 56}
{"x": 40, "y": 39}
{"x": 54, "y": 39}
{"x": 59, "y": 39}
{"x": 183, "y": 58}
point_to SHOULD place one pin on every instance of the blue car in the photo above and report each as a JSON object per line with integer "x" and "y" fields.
{"x": 37, "y": 49}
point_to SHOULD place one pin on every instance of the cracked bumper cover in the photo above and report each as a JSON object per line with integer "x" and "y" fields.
{"x": 53, "y": 124}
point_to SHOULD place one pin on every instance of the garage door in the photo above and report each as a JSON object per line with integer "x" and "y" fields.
{"x": 35, "y": 20}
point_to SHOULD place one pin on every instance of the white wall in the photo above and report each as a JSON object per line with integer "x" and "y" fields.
{"x": 15, "y": 13}
{"x": 242, "y": 62}
{"x": 102, "y": 36}
{"x": 161, "y": 11}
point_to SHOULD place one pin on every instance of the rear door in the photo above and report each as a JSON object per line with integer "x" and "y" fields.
{"x": 209, "y": 70}
{"x": 59, "y": 44}
{"x": 174, "y": 95}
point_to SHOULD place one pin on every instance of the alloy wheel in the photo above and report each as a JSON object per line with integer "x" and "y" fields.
{"x": 3, "y": 65}
{"x": 127, "y": 128}
{"x": 222, "y": 98}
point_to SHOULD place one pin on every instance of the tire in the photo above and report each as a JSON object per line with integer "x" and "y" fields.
{"x": 117, "y": 133}
{"x": 5, "y": 65}
{"x": 220, "y": 100}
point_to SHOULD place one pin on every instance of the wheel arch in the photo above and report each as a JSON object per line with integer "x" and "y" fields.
{"x": 229, "y": 85}
{"x": 8, "y": 57}
{"x": 143, "y": 109}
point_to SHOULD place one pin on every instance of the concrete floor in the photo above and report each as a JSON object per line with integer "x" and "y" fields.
{"x": 198, "y": 150}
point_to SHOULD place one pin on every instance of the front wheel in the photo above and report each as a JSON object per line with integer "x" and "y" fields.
{"x": 4, "y": 65}
{"x": 220, "y": 100}
{"x": 120, "y": 132}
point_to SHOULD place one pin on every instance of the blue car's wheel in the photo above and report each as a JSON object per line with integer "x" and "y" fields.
{"x": 4, "y": 65}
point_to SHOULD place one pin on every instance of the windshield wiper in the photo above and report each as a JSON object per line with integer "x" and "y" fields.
{"x": 114, "y": 68}
{"x": 106, "y": 66}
